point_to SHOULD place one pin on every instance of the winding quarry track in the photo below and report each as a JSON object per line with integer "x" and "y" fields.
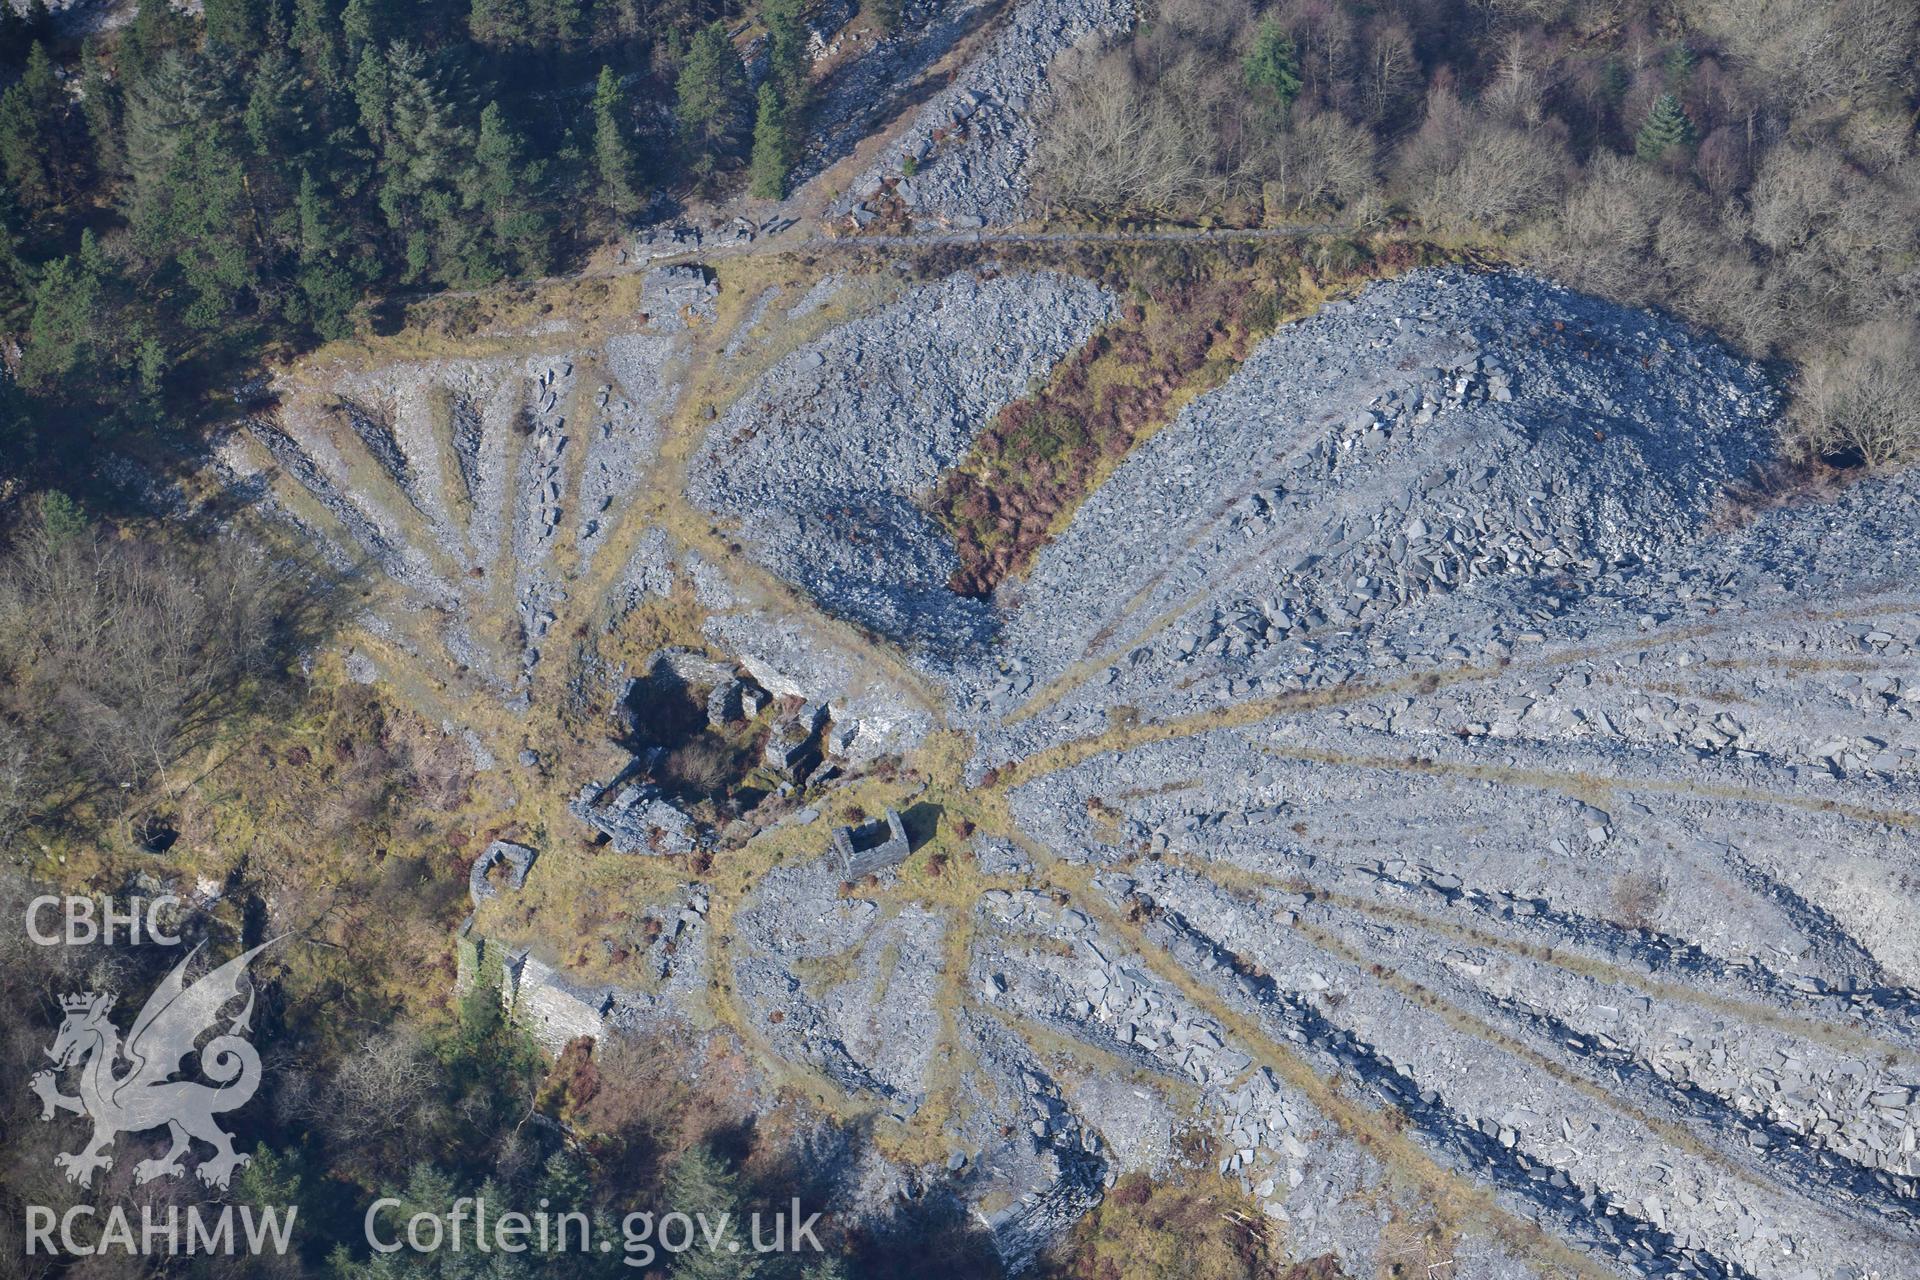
{"x": 1400, "y": 770}
{"x": 1407, "y": 777}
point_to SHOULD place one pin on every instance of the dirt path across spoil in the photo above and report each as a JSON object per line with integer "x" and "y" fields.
{"x": 793, "y": 241}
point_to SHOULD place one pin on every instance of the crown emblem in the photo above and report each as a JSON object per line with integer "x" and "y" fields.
{"x": 84, "y": 1001}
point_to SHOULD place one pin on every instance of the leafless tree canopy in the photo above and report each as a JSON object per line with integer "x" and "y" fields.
{"x": 1465, "y": 169}
{"x": 1148, "y": 126}
{"x": 1115, "y": 141}
{"x": 1784, "y": 213}
{"x": 1323, "y": 161}
{"x": 1864, "y": 395}
{"x": 116, "y": 653}
{"x": 377, "y": 1090}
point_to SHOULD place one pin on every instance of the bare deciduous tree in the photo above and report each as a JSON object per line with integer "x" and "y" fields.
{"x": 1112, "y": 143}
{"x": 118, "y": 651}
{"x": 1879, "y": 137}
{"x": 1321, "y": 159}
{"x": 1514, "y": 95}
{"x": 1864, "y": 394}
{"x": 20, "y": 781}
{"x": 1797, "y": 190}
{"x": 1722, "y": 162}
{"x": 376, "y": 1089}
{"x": 1476, "y": 173}
{"x": 1393, "y": 69}
{"x": 1819, "y": 50}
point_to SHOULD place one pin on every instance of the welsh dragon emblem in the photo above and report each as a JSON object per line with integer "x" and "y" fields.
{"x": 144, "y": 1095}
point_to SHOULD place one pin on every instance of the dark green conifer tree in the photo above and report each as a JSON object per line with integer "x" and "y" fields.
{"x": 1667, "y": 127}
{"x": 326, "y": 289}
{"x": 236, "y": 27}
{"x": 787, "y": 52}
{"x": 32, "y": 122}
{"x": 316, "y": 34}
{"x": 613, "y": 152}
{"x": 772, "y": 146}
{"x": 711, "y": 92}
{"x": 701, "y": 1183}
{"x": 64, "y": 333}
{"x": 101, "y": 105}
{"x": 1272, "y": 65}
{"x": 510, "y": 189}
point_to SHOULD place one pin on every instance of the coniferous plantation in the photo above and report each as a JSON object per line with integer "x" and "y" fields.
{"x": 1084, "y": 639}
{"x": 186, "y": 196}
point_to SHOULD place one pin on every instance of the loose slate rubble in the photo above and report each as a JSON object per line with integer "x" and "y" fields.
{"x": 1525, "y": 789}
{"x": 824, "y": 462}
{"x": 963, "y": 161}
{"x": 1437, "y": 432}
{"x": 1452, "y": 768}
{"x": 460, "y": 479}
{"x": 636, "y": 817}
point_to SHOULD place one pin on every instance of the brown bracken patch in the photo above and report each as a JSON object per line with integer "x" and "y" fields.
{"x": 1188, "y": 321}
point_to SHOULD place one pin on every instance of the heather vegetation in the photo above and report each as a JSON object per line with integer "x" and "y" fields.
{"x": 1750, "y": 166}
{"x": 1047, "y": 450}
{"x": 1174, "y": 1231}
